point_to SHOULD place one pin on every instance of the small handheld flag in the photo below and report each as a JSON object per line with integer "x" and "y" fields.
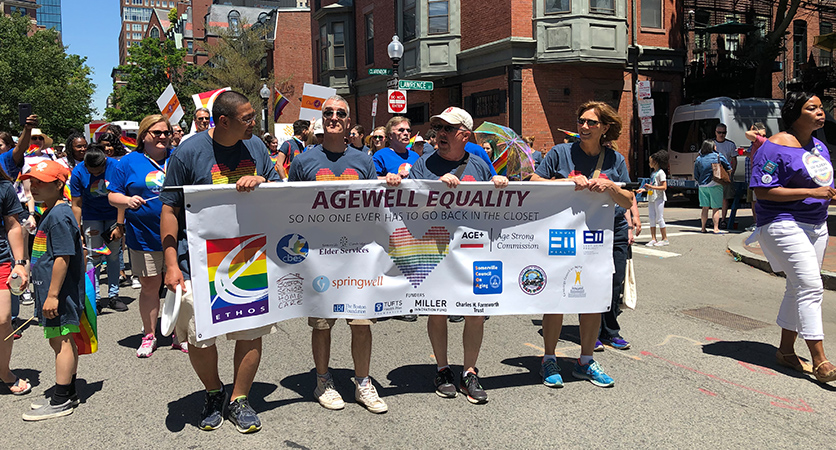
{"x": 279, "y": 103}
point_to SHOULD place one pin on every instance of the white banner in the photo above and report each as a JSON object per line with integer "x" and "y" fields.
{"x": 313, "y": 97}
{"x": 170, "y": 105}
{"x": 360, "y": 250}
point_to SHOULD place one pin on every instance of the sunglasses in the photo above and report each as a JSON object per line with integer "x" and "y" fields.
{"x": 401, "y": 130}
{"x": 202, "y": 119}
{"x": 446, "y": 128}
{"x": 37, "y": 138}
{"x": 158, "y": 133}
{"x": 720, "y": 132}
{"x": 590, "y": 122}
{"x": 328, "y": 113}
{"x": 377, "y": 138}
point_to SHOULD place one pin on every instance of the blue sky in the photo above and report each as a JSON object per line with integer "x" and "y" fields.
{"x": 92, "y": 30}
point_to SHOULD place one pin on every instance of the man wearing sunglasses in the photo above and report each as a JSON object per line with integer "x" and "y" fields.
{"x": 453, "y": 164}
{"x": 396, "y": 158}
{"x": 226, "y": 154}
{"x": 727, "y": 148}
{"x": 176, "y": 135}
{"x": 201, "y": 123}
{"x": 333, "y": 160}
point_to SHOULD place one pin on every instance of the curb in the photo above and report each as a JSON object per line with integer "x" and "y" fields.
{"x": 738, "y": 250}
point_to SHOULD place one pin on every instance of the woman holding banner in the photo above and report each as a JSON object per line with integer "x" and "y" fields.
{"x": 594, "y": 165}
{"x": 135, "y": 188}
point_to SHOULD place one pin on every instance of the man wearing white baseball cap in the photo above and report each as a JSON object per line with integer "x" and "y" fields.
{"x": 452, "y": 164}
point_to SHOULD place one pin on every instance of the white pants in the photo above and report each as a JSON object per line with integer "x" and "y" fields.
{"x": 797, "y": 249}
{"x": 656, "y": 213}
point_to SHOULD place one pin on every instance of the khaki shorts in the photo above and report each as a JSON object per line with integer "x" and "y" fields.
{"x": 185, "y": 325}
{"x": 326, "y": 324}
{"x": 146, "y": 264}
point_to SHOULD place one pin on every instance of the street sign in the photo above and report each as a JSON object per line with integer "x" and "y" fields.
{"x": 392, "y": 83}
{"x": 647, "y": 125}
{"x": 644, "y": 89}
{"x": 412, "y": 85}
{"x": 646, "y": 108}
{"x": 374, "y": 106}
{"x": 397, "y": 101}
{"x": 380, "y": 71}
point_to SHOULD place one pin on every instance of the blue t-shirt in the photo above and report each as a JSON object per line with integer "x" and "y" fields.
{"x": 702, "y": 167}
{"x": 387, "y": 160}
{"x": 7, "y": 161}
{"x": 93, "y": 191}
{"x": 432, "y": 167}
{"x": 569, "y": 160}
{"x": 201, "y": 160}
{"x": 477, "y": 150}
{"x": 10, "y": 207}
{"x": 291, "y": 148}
{"x": 318, "y": 164}
{"x": 58, "y": 235}
{"x": 778, "y": 166}
{"x": 137, "y": 175}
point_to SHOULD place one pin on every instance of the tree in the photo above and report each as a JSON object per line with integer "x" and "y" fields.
{"x": 36, "y": 69}
{"x": 151, "y": 66}
{"x": 764, "y": 50}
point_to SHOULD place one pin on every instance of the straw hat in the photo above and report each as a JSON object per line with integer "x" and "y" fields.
{"x": 47, "y": 140}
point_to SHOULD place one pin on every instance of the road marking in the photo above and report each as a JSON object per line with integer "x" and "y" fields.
{"x": 542, "y": 351}
{"x": 671, "y": 336}
{"x": 707, "y": 392}
{"x": 575, "y": 346}
{"x": 642, "y": 250}
{"x": 686, "y": 233}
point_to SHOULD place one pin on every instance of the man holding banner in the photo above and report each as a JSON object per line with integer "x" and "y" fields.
{"x": 452, "y": 164}
{"x": 226, "y": 154}
{"x": 333, "y": 160}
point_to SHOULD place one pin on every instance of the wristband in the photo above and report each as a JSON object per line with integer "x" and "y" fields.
{"x": 20, "y": 262}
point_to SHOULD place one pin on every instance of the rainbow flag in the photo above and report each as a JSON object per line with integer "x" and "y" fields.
{"x": 279, "y": 103}
{"x": 103, "y": 250}
{"x": 569, "y": 133}
{"x": 206, "y": 100}
{"x": 128, "y": 142}
{"x": 87, "y": 339}
{"x": 411, "y": 142}
{"x": 501, "y": 162}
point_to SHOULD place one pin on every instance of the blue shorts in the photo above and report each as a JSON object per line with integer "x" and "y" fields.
{"x": 711, "y": 196}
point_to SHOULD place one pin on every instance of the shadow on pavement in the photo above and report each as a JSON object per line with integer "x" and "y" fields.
{"x": 533, "y": 377}
{"x": 187, "y": 410}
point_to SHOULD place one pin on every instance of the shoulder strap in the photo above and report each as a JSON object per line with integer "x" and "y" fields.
{"x": 600, "y": 164}
{"x": 462, "y": 165}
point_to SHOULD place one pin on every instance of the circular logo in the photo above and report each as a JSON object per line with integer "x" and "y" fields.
{"x": 820, "y": 170}
{"x": 292, "y": 249}
{"x": 766, "y": 178}
{"x": 532, "y": 280}
{"x": 495, "y": 281}
{"x": 154, "y": 181}
{"x": 321, "y": 283}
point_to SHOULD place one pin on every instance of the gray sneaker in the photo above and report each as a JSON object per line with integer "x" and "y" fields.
{"x": 243, "y": 416}
{"x": 49, "y": 411}
{"x": 40, "y": 403}
{"x": 212, "y": 416}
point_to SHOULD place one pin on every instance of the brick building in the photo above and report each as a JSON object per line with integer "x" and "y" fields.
{"x": 524, "y": 64}
{"x": 23, "y": 7}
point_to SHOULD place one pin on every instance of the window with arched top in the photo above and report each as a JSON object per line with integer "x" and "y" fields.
{"x": 154, "y": 33}
{"x": 234, "y": 19}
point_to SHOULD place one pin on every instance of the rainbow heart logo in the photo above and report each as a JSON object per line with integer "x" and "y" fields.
{"x": 416, "y": 258}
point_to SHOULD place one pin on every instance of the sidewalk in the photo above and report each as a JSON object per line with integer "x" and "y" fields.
{"x": 753, "y": 256}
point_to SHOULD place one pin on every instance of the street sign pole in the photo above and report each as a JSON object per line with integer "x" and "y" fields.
{"x": 374, "y": 110}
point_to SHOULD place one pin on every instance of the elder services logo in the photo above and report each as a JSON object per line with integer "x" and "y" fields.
{"x": 237, "y": 277}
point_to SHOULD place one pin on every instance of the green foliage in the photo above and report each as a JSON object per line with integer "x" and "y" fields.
{"x": 172, "y": 16}
{"x": 151, "y": 66}
{"x": 36, "y": 69}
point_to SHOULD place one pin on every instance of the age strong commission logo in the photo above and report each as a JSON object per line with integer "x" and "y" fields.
{"x": 237, "y": 277}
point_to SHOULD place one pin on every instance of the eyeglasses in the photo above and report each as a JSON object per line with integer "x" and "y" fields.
{"x": 720, "y": 132}
{"x": 158, "y": 133}
{"x": 401, "y": 130}
{"x": 202, "y": 119}
{"x": 247, "y": 120}
{"x": 378, "y": 138}
{"x": 328, "y": 113}
{"x": 446, "y": 128}
{"x": 37, "y": 138}
{"x": 590, "y": 122}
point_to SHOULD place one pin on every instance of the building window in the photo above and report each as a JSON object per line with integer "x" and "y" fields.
{"x": 234, "y": 19}
{"x": 799, "y": 46}
{"x": 488, "y": 103}
{"x": 408, "y": 20}
{"x": 437, "y": 16}
{"x": 323, "y": 48}
{"x": 136, "y": 36}
{"x": 137, "y": 2}
{"x": 369, "y": 38}
{"x": 190, "y": 47}
{"x": 339, "y": 44}
{"x": 418, "y": 114}
{"x": 602, "y": 6}
{"x": 558, "y": 6}
{"x": 136, "y": 15}
{"x": 17, "y": 9}
{"x": 136, "y": 27}
{"x": 127, "y": 27}
{"x": 825, "y": 58}
{"x": 155, "y": 33}
{"x": 651, "y": 13}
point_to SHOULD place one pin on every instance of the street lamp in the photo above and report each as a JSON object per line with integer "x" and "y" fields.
{"x": 395, "y": 50}
{"x": 265, "y": 95}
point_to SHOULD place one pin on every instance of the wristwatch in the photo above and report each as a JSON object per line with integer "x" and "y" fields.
{"x": 20, "y": 262}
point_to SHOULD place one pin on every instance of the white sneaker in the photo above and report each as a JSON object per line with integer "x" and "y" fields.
{"x": 26, "y": 298}
{"x": 327, "y": 394}
{"x": 367, "y": 396}
{"x": 146, "y": 349}
{"x": 652, "y": 243}
{"x": 135, "y": 284}
{"x": 662, "y": 243}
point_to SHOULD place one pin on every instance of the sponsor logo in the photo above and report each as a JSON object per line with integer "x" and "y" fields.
{"x": 473, "y": 239}
{"x": 321, "y": 283}
{"x": 358, "y": 283}
{"x": 388, "y": 307}
{"x": 516, "y": 241}
{"x": 593, "y": 236}
{"x": 378, "y": 307}
{"x": 338, "y": 308}
{"x": 290, "y": 290}
{"x": 237, "y": 277}
{"x": 532, "y": 280}
{"x": 562, "y": 242}
{"x": 343, "y": 247}
{"x": 349, "y": 308}
{"x": 426, "y": 305}
{"x": 487, "y": 277}
{"x": 573, "y": 283}
{"x": 292, "y": 249}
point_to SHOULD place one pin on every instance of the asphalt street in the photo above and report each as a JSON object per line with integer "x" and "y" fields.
{"x": 692, "y": 379}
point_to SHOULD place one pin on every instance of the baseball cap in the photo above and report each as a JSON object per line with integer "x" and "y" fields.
{"x": 47, "y": 171}
{"x": 455, "y": 116}
{"x": 317, "y": 128}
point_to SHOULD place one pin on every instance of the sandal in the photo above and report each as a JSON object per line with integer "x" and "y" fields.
{"x": 782, "y": 361}
{"x": 7, "y": 387}
{"x": 827, "y": 377}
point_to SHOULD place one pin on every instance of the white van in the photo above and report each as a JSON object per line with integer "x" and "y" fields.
{"x": 691, "y": 124}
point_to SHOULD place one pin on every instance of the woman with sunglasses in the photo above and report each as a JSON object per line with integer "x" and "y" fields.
{"x": 377, "y": 140}
{"x": 99, "y": 220}
{"x": 594, "y": 165}
{"x": 135, "y": 188}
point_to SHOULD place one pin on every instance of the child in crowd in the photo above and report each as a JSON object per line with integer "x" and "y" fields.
{"x": 58, "y": 282}
{"x": 656, "y": 198}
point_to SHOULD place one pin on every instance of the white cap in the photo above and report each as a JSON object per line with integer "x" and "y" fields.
{"x": 317, "y": 128}
{"x": 456, "y": 116}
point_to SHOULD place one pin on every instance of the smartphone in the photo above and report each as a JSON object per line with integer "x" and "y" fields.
{"x": 24, "y": 110}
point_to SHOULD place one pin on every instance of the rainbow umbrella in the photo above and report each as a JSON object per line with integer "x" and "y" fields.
{"x": 511, "y": 155}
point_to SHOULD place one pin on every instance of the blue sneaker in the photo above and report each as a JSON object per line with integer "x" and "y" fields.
{"x": 242, "y": 415}
{"x": 550, "y": 372}
{"x": 599, "y": 347}
{"x": 593, "y": 373}
{"x": 618, "y": 343}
